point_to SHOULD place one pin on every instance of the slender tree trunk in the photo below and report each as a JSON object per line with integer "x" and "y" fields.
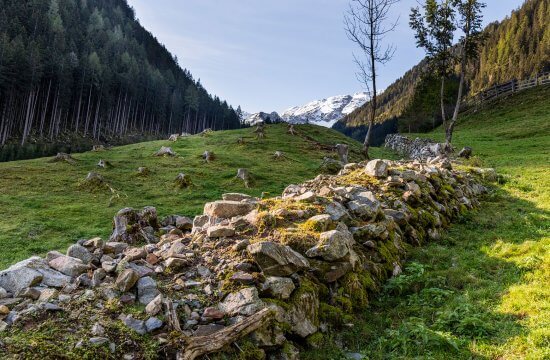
{"x": 368, "y": 137}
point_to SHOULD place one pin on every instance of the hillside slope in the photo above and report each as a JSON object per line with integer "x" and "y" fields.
{"x": 88, "y": 69}
{"x": 481, "y": 291}
{"x": 42, "y": 207}
{"x": 516, "y": 47}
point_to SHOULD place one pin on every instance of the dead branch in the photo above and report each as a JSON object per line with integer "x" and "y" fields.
{"x": 201, "y": 345}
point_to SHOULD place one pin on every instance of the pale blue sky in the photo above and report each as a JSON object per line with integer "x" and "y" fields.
{"x": 270, "y": 55}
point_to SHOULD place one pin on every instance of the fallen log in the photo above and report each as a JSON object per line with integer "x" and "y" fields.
{"x": 198, "y": 346}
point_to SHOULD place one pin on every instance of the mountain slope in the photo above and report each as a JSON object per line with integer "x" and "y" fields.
{"x": 517, "y": 47}
{"x": 43, "y": 207}
{"x": 88, "y": 69}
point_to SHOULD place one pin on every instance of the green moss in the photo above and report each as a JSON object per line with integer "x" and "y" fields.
{"x": 331, "y": 314}
{"x": 315, "y": 340}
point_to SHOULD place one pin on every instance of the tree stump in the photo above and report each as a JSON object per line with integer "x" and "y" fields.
{"x": 183, "y": 181}
{"x": 165, "y": 151}
{"x": 279, "y": 155}
{"x": 343, "y": 151}
{"x": 244, "y": 175}
{"x": 104, "y": 164}
{"x": 143, "y": 171}
{"x": 63, "y": 157}
{"x": 208, "y": 156}
{"x": 466, "y": 152}
{"x": 291, "y": 130}
{"x": 260, "y": 131}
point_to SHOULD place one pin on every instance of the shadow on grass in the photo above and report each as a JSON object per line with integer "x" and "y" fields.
{"x": 446, "y": 303}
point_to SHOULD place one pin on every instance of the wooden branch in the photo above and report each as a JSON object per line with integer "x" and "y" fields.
{"x": 201, "y": 345}
{"x": 171, "y": 315}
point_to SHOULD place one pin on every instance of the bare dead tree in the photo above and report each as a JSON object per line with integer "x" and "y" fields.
{"x": 367, "y": 23}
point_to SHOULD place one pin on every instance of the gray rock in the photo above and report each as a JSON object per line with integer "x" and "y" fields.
{"x": 337, "y": 211}
{"x": 154, "y": 306}
{"x": 98, "y": 341}
{"x": 377, "y": 168}
{"x": 3, "y": 326}
{"x": 147, "y": 290}
{"x": 364, "y": 204}
{"x": 50, "y": 277}
{"x": 333, "y": 245}
{"x": 3, "y": 293}
{"x": 277, "y": 260}
{"x": 79, "y": 252}
{"x": 17, "y": 278}
{"x": 219, "y": 231}
{"x": 114, "y": 247}
{"x": 98, "y": 330}
{"x": 126, "y": 280}
{"x": 244, "y": 302}
{"x": 153, "y": 324}
{"x": 278, "y": 287}
{"x": 227, "y": 209}
{"x": 320, "y": 222}
{"x": 134, "y": 324}
{"x": 69, "y": 266}
{"x": 303, "y": 315}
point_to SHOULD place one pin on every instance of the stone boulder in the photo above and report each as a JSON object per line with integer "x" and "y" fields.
{"x": 219, "y": 231}
{"x": 79, "y": 252}
{"x": 278, "y": 287}
{"x": 333, "y": 245}
{"x": 377, "y": 168}
{"x": 244, "y": 302}
{"x": 277, "y": 260}
{"x": 126, "y": 280}
{"x": 225, "y": 209}
{"x": 68, "y": 265}
{"x": 17, "y": 278}
{"x": 147, "y": 290}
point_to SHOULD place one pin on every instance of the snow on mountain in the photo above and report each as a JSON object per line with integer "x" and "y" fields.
{"x": 253, "y": 119}
{"x": 325, "y": 112}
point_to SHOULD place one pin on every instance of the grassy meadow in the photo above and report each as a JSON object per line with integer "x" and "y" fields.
{"x": 43, "y": 206}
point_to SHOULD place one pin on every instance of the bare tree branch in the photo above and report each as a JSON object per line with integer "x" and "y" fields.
{"x": 367, "y": 23}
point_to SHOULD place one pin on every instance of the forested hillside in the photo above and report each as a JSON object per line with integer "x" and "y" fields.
{"x": 517, "y": 47}
{"x": 88, "y": 69}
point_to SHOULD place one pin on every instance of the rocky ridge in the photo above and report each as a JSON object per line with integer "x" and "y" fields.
{"x": 276, "y": 274}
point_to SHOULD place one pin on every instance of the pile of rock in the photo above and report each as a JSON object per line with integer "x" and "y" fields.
{"x": 262, "y": 271}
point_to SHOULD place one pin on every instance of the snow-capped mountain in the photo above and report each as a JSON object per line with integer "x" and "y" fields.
{"x": 325, "y": 112}
{"x": 253, "y": 119}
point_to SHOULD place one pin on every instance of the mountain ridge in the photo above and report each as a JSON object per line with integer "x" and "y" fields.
{"x": 324, "y": 112}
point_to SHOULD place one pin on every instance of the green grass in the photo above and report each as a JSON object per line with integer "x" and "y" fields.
{"x": 483, "y": 291}
{"x": 42, "y": 207}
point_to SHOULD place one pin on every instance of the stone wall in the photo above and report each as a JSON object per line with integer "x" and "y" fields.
{"x": 419, "y": 149}
{"x": 261, "y": 272}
